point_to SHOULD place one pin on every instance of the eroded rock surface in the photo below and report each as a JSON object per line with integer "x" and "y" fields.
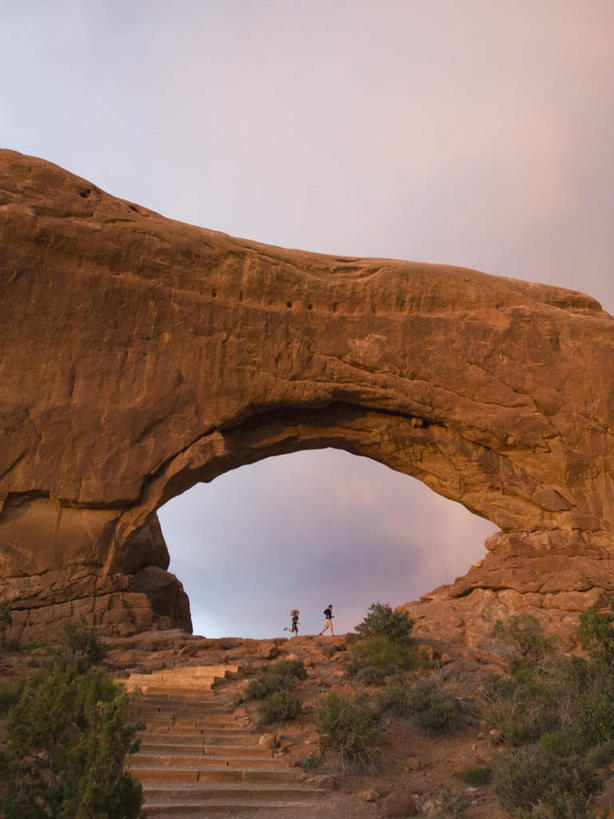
{"x": 142, "y": 355}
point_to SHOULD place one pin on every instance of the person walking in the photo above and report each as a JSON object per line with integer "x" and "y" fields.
{"x": 328, "y": 620}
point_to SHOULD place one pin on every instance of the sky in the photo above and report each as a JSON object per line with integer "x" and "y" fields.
{"x": 476, "y": 133}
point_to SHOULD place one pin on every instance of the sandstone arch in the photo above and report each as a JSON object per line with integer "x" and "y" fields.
{"x": 143, "y": 355}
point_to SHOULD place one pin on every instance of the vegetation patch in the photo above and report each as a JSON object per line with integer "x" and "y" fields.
{"x": 382, "y": 646}
{"x": 67, "y": 738}
{"x": 272, "y": 686}
{"x": 349, "y": 727}
{"x": 281, "y": 705}
{"x": 476, "y": 777}
{"x": 556, "y": 715}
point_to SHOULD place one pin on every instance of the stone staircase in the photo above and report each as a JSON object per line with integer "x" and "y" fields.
{"x": 197, "y": 759}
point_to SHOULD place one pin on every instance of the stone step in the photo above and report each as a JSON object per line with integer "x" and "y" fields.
{"x": 192, "y": 672}
{"x": 205, "y": 745}
{"x": 201, "y": 736}
{"x": 212, "y": 706}
{"x": 162, "y": 757}
{"x": 211, "y": 749}
{"x": 181, "y": 679}
{"x": 157, "y": 689}
{"x": 220, "y": 710}
{"x": 199, "y": 774}
{"x": 196, "y": 737}
{"x": 216, "y": 722}
{"x": 203, "y": 794}
{"x": 164, "y": 810}
{"x": 228, "y": 726}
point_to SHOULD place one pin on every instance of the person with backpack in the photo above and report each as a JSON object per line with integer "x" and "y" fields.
{"x": 328, "y": 620}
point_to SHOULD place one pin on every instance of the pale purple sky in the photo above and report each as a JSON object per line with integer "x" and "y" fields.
{"x": 476, "y": 133}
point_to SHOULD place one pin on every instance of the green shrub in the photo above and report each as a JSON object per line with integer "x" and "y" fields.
{"x": 10, "y": 692}
{"x": 523, "y": 635}
{"x": 80, "y": 647}
{"x": 596, "y": 634}
{"x": 557, "y": 692}
{"x": 529, "y": 778}
{"x": 434, "y": 709}
{"x": 67, "y": 739}
{"x": 384, "y": 654}
{"x": 347, "y": 726}
{"x": 560, "y": 711}
{"x": 290, "y": 668}
{"x": 370, "y": 675}
{"x": 521, "y": 708}
{"x": 281, "y": 705}
{"x": 395, "y": 696}
{"x": 476, "y": 777}
{"x": 383, "y": 621}
{"x": 275, "y": 677}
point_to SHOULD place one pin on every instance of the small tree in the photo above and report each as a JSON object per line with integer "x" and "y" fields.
{"x": 67, "y": 739}
{"x": 384, "y": 621}
{"x": 81, "y": 646}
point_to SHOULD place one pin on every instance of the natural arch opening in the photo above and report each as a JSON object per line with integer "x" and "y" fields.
{"x": 305, "y": 529}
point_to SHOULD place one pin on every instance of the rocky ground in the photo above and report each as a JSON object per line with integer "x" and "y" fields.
{"x": 415, "y": 774}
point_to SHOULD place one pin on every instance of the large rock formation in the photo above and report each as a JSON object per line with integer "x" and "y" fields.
{"x": 141, "y": 355}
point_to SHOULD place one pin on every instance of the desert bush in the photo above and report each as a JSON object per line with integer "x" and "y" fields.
{"x": 275, "y": 677}
{"x": 10, "y": 692}
{"x": 531, "y": 780}
{"x": 370, "y": 675}
{"x": 527, "y": 644}
{"x": 385, "y": 654}
{"x": 560, "y": 711}
{"x": 67, "y": 738}
{"x": 433, "y": 707}
{"x": 521, "y": 708}
{"x": 347, "y": 726}
{"x": 596, "y": 634}
{"x": 80, "y": 647}
{"x": 476, "y": 777}
{"x": 281, "y": 705}
{"x": 383, "y": 621}
{"x": 395, "y": 696}
{"x": 556, "y": 693}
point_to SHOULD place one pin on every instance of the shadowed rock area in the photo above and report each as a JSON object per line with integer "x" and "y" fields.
{"x": 141, "y": 355}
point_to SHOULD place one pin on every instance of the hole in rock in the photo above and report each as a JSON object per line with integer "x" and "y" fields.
{"x": 308, "y": 529}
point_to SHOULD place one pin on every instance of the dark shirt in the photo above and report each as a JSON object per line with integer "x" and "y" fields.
{"x": 328, "y": 613}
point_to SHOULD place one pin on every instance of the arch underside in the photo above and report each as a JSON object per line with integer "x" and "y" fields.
{"x": 126, "y": 586}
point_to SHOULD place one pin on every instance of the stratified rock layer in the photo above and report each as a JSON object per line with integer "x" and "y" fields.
{"x": 142, "y": 355}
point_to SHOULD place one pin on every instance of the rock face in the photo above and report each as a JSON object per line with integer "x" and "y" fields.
{"x": 142, "y": 355}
